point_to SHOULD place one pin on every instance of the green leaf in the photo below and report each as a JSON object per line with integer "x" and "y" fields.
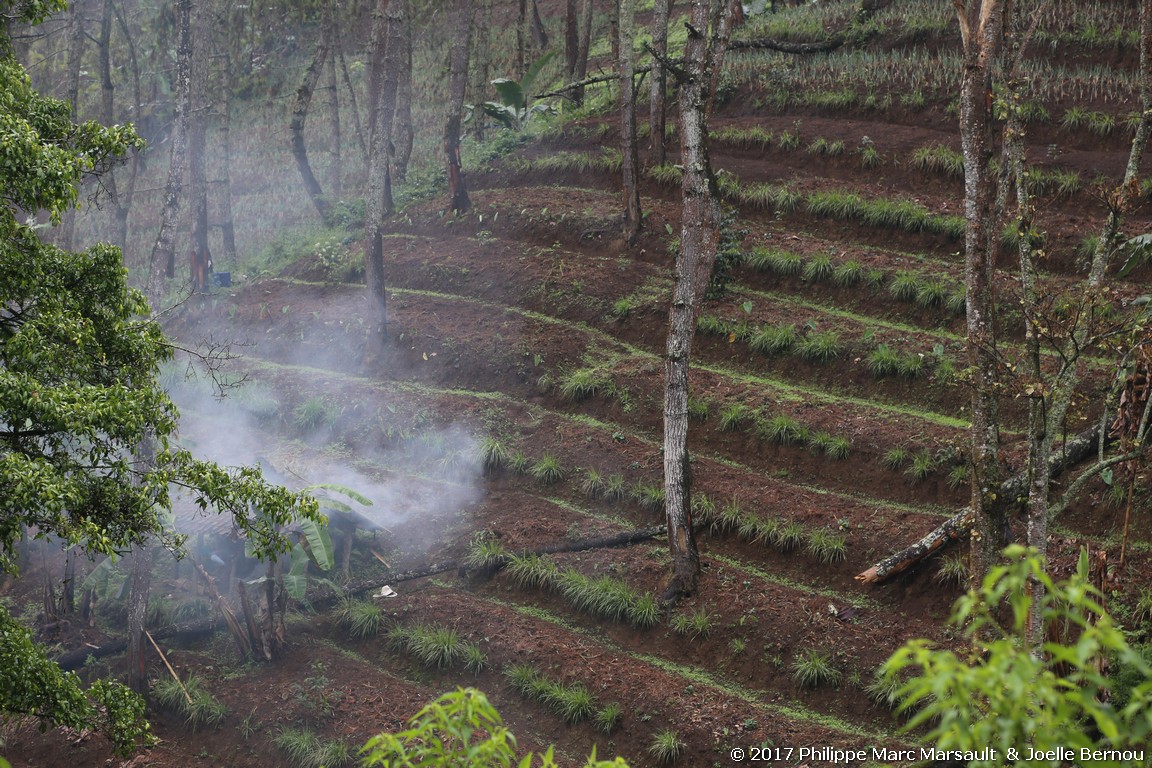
{"x": 317, "y": 543}
{"x": 510, "y": 92}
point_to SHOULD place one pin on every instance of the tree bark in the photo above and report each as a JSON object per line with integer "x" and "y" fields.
{"x": 571, "y": 38}
{"x": 539, "y": 33}
{"x": 336, "y": 165}
{"x": 140, "y": 585}
{"x": 162, "y": 260}
{"x": 460, "y": 24}
{"x": 658, "y": 87}
{"x": 121, "y": 199}
{"x": 200, "y": 255}
{"x": 76, "y": 37}
{"x": 981, "y": 23}
{"x": 300, "y": 106}
{"x": 588, "y": 9}
{"x": 480, "y": 66}
{"x": 379, "y": 204}
{"x": 630, "y": 165}
{"x": 227, "y": 220}
{"x": 699, "y": 241}
{"x": 353, "y": 108}
{"x": 404, "y": 134}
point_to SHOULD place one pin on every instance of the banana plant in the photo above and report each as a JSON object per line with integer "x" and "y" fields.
{"x": 513, "y": 109}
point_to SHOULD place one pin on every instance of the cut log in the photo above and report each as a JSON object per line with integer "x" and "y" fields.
{"x": 1013, "y": 491}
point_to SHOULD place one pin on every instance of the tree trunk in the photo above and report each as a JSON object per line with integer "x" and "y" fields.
{"x": 353, "y": 108}
{"x": 140, "y": 585}
{"x": 379, "y": 203}
{"x": 227, "y": 220}
{"x": 336, "y": 166}
{"x": 521, "y": 39}
{"x": 121, "y": 203}
{"x": 571, "y": 39}
{"x": 76, "y": 37}
{"x": 460, "y": 24}
{"x": 404, "y": 133}
{"x": 588, "y": 10}
{"x": 982, "y": 31}
{"x": 163, "y": 259}
{"x": 658, "y": 92}
{"x": 300, "y": 106}
{"x": 699, "y": 240}
{"x": 480, "y": 56}
{"x": 201, "y": 256}
{"x": 539, "y": 33}
{"x": 630, "y": 165}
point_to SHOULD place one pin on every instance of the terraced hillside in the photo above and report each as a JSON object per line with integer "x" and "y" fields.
{"x": 517, "y": 415}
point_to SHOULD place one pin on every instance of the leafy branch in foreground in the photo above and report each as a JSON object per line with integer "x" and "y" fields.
{"x": 1006, "y": 693}
{"x": 459, "y": 728}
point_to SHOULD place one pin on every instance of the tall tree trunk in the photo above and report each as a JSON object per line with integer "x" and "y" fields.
{"x": 571, "y": 39}
{"x": 699, "y": 241}
{"x": 119, "y": 208}
{"x": 227, "y": 220}
{"x": 162, "y": 262}
{"x": 123, "y": 196}
{"x": 76, "y": 37}
{"x": 353, "y": 108}
{"x": 379, "y": 203}
{"x": 460, "y": 24}
{"x": 404, "y": 133}
{"x": 200, "y": 255}
{"x": 982, "y": 32}
{"x": 539, "y": 33}
{"x": 335, "y": 169}
{"x": 630, "y": 165}
{"x": 300, "y": 104}
{"x": 139, "y": 586}
{"x": 658, "y": 86}
{"x": 521, "y": 38}
{"x": 587, "y": 11}
{"x": 480, "y": 64}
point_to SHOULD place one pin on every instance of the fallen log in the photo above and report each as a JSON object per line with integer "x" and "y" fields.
{"x": 77, "y": 657}
{"x": 1013, "y": 491}
{"x": 600, "y": 542}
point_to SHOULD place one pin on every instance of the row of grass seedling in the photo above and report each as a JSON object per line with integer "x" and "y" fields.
{"x": 606, "y": 161}
{"x": 782, "y": 430}
{"x": 927, "y": 291}
{"x": 817, "y": 347}
{"x": 920, "y": 464}
{"x": 899, "y": 213}
{"x": 573, "y": 703}
{"x": 785, "y": 536}
{"x": 438, "y": 647}
{"x": 602, "y": 597}
{"x": 945, "y": 161}
{"x": 495, "y": 456}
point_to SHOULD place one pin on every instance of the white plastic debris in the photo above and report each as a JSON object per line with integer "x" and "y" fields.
{"x": 386, "y": 591}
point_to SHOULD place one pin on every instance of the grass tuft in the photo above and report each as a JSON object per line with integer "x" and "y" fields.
{"x": 547, "y": 470}
{"x": 666, "y": 746}
{"x": 813, "y": 668}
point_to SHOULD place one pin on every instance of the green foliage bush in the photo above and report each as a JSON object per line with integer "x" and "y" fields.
{"x": 1004, "y": 692}
{"x": 458, "y": 729}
